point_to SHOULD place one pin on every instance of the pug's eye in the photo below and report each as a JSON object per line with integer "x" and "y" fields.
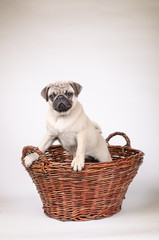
{"x": 52, "y": 96}
{"x": 69, "y": 94}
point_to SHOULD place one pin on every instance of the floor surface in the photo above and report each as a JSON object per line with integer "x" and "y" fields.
{"x": 23, "y": 218}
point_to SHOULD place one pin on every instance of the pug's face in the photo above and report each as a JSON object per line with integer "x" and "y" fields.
{"x": 62, "y": 96}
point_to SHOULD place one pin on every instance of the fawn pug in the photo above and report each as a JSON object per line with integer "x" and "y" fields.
{"x": 68, "y": 123}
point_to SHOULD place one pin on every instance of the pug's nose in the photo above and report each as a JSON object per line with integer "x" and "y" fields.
{"x": 60, "y": 97}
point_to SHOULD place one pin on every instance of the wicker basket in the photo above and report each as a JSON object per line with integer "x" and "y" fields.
{"x": 95, "y": 192}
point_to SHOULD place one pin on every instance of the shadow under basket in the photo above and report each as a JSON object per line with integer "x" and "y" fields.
{"x": 93, "y": 193}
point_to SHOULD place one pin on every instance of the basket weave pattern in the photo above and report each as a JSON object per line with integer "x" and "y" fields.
{"x": 95, "y": 192}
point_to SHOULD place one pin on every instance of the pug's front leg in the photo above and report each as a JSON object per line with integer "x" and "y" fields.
{"x": 44, "y": 145}
{"x": 78, "y": 161}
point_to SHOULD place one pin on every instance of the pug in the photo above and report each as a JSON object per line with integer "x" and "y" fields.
{"x": 68, "y": 123}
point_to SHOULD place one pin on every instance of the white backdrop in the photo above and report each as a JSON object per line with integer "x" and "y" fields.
{"x": 111, "y": 49}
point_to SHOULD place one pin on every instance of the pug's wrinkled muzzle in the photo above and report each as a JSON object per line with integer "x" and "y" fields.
{"x": 61, "y": 104}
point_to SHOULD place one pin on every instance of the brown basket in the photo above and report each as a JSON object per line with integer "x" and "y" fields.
{"x": 95, "y": 192}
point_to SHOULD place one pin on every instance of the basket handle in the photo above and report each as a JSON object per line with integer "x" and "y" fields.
{"x": 34, "y": 149}
{"x": 121, "y": 134}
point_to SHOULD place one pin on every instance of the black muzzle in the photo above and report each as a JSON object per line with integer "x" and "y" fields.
{"x": 61, "y": 104}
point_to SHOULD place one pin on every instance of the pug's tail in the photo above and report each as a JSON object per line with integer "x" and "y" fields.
{"x": 97, "y": 127}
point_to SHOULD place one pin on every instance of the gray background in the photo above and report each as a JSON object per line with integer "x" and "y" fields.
{"x": 111, "y": 49}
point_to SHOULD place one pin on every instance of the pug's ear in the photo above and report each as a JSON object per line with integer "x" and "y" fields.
{"x": 44, "y": 92}
{"x": 77, "y": 87}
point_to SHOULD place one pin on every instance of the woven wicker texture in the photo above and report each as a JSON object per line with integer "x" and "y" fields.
{"x": 95, "y": 192}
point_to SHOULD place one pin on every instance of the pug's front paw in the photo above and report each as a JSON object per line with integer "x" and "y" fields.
{"x": 77, "y": 163}
{"x": 29, "y": 159}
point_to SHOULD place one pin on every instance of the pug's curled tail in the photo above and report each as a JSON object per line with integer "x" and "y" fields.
{"x": 97, "y": 127}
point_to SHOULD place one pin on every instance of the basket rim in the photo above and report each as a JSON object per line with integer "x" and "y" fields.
{"x": 115, "y": 162}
